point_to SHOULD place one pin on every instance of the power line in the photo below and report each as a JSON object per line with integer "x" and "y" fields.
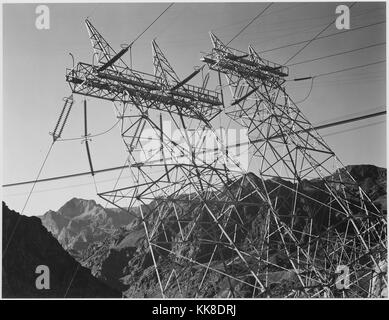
{"x": 332, "y": 124}
{"x": 151, "y": 24}
{"x": 91, "y": 136}
{"x": 74, "y": 175}
{"x": 353, "y": 129}
{"x": 28, "y": 198}
{"x": 338, "y": 71}
{"x": 353, "y": 115}
{"x": 103, "y": 181}
{"x": 322, "y": 37}
{"x": 265, "y": 15}
{"x": 314, "y": 38}
{"x": 255, "y": 18}
{"x": 348, "y": 69}
{"x": 338, "y": 54}
{"x": 338, "y": 123}
{"x": 349, "y": 80}
{"x": 309, "y": 92}
{"x": 16, "y": 194}
{"x": 309, "y": 29}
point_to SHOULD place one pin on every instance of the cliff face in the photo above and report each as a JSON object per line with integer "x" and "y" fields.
{"x": 27, "y": 245}
{"x": 79, "y": 222}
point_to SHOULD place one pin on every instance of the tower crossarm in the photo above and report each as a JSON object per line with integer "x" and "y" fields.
{"x": 107, "y": 57}
{"x": 125, "y": 84}
{"x": 243, "y": 64}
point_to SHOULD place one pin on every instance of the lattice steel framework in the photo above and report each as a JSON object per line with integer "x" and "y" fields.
{"x": 219, "y": 222}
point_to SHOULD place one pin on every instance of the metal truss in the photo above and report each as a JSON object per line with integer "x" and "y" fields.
{"x": 249, "y": 232}
{"x": 289, "y": 151}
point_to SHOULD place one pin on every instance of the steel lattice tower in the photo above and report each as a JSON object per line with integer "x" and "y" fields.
{"x": 221, "y": 222}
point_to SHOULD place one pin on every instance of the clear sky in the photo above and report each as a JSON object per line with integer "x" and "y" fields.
{"x": 34, "y": 80}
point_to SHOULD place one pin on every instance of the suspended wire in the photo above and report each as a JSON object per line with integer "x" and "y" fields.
{"x": 354, "y": 115}
{"x": 333, "y": 72}
{"x": 74, "y": 175}
{"x": 72, "y": 279}
{"x": 302, "y": 30}
{"x": 356, "y": 16}
{"x": 353, "y": 129}
{"x": 305, "y": 29}
{"x": 338, "y": 71}
{"x": 243, "y": 21}
{"x": 62, "y": 188}
{"x": 322, "y": 37}
{"x": 309, "y": 92}
{"x": 93, "y": 135}
{"x": 77, "y": 185}
{"x": 314, "y": 38}
{"x": 121, "y": 167}
{"x": 318, "y": 127}
{"x": 348, "y": 69}
{"x": 129, "y": 46}
{"x": 247, "y": 25}
{"x": 338, "y": 54}
{"x": 343, "y": 80}
{"x": 28, "y": 198}
{"x": 341, "y": 122}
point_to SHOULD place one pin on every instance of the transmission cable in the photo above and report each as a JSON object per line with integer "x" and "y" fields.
{"x": 28, "y": 198}
{"x": 317, "y": 127}
{"x": 348, "y": 69}
{"x": 155, "y": 20}
{"x": 247, "y": 25}
{"x": 314, "y": 38}
{"x": 337, "y": 71}
{"x": 333, "y": 72}
{"x": 322, "y": 37}
{"x": 93, "y": 135}
{"x": 309, "y": 92}
{"x": 338, "y": 54}
{"x": 332, "y": 124}
{"x": 353, "y": 129}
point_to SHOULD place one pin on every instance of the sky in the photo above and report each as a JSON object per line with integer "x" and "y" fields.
{"x": 34, "y": 64}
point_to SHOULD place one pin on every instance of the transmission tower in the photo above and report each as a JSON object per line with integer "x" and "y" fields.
{"x": 342, "y": 228}
{"x": 208, "y": 218}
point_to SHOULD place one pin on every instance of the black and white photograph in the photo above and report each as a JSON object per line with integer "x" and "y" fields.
{"x": 194, "y": 151}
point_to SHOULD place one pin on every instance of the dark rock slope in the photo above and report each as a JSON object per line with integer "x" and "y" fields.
{"x": 31, "y": 245}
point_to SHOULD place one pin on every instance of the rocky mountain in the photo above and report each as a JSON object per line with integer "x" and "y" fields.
{"x": 27, "y": 245}
{"x": 124, "y": 262}
{"x": 79, "y": 223}
{"x": 372, "y": 180}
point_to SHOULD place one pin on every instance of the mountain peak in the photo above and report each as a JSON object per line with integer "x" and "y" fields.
{"x": 77, "y": 206}
{"x": 79, "y": 222}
